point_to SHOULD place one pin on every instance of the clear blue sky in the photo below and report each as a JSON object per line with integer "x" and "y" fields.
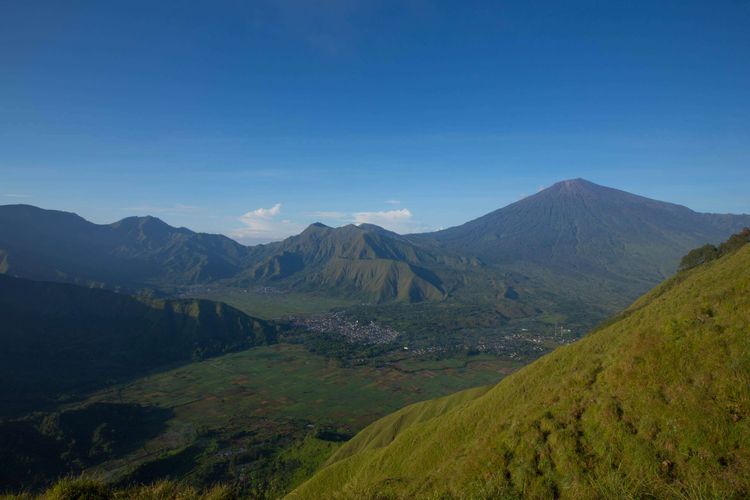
{"x": 256, "y": 118}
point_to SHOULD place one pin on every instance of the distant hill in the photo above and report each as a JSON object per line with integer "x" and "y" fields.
{"x": 59, "y": 339}
{"x": 573, "y": 245}
{"x": 144, "y": 252}
{"x": 133, "y": 253}
{"x": 654, "y": 405}
{"x": 580, "y": 229}
{"x": 364, "y": 260}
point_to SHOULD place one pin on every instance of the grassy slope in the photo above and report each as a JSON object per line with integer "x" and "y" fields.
{"x": 656, "y": 403}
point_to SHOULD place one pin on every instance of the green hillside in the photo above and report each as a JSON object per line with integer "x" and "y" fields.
{"x": 59, "y": 339}
{"x": 365, "y": 261}
{"x": 654, "y": 404}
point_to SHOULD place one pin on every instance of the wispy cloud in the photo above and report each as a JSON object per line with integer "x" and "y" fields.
{"x": 400, "y": 221}
{"x": 393, "y": 202}
{"x": 263, "y": 213}
{"x": 263, "y": 225}
{"x": 266, "y": 224}
{"x": 382, "y": 216}
{"x": 16, "y": 195}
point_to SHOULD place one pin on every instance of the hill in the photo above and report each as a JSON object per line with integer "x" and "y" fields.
{"x": 365, "y": 260}
{"x": 59, "y": 339}
{"x": 654, "y": 404}
{"x": 573, "y": 246}
{"x": 135, "y": 252}
{"x": 577, "y": 229}
{"x": 144, "y": 252}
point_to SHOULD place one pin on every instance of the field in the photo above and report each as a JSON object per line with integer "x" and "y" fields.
{"x": 269, "y": 303}
{"x": 238, "y": 416}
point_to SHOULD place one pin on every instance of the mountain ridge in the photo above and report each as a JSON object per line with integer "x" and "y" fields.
{"x": 379, "y": 265}
{"x": 570, "y": 233}
{"x": 58, "y": 337}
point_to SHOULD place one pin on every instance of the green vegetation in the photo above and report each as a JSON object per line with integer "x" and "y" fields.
{"x": 260, "y": 420}
{"x": 82, "y": 488}
{"x": 604, "y": 243}
{"x": 60, "y": 340}
{"x": 655, "y": 404}
{"x": 41, "y": 447}
{"x": 270, "y": 303}
{"x": 707, "y": 253}
{"x": 468, "y": 305}
{"x": 366, "y": 262}
{"x": 572, "y": 254}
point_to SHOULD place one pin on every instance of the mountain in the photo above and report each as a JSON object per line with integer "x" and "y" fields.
{"x": 656, "y": 404}
{"x": 364, "y": 260}
{"x": 59, "y": 339}
{"x": 135, "y": 252}
{"x": 144, "y": 252}
{"x": 573, "y": 245}
{"x": 580, "y": 229}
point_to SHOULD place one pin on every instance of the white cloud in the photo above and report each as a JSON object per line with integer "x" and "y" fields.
{"x": 399, "y": 221}
{"x": 266, "y": 224}
{"x": 17, "y": 195}
{"x": 262, "y": 226}
{"x": 382, "y": 216}
{"x": 393, "y": 202}
{"x": 263, "y": 213}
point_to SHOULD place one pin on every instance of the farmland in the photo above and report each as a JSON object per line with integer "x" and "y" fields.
{"x": 239, "y": 415}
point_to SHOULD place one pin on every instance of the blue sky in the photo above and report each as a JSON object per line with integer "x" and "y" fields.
{"x": 254, "y": 119}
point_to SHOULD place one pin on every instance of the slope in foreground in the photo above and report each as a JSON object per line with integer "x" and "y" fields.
{"x": 657, "y": 403}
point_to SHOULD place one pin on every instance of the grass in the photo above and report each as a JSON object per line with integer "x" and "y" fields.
{"x": 656, "y": 404}
{"x": 286, "y": 380}
{"x": 82, "y": 488}
{"x": 255, "y": 417}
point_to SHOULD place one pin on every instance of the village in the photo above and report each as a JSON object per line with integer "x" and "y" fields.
{"x": 518, "y": 345}
{"x": 351, "y": 329}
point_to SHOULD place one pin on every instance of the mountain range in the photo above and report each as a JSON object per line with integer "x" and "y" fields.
{"x": 89, "y": 307}
{"x": 575, "y": 235}
{"x": 132, "y": 253}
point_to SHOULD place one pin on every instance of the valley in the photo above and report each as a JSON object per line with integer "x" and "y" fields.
{"x": 235, "y": 418}
{"x": 264, "y": 360}
{"x": 374, "y": 250}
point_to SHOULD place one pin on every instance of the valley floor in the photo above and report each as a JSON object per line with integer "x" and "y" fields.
{"x": 264, "y": 419}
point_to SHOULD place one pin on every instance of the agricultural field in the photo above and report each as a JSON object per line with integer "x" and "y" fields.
{"x": 269, "y": 303}
{"x": 279, "y": 408}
